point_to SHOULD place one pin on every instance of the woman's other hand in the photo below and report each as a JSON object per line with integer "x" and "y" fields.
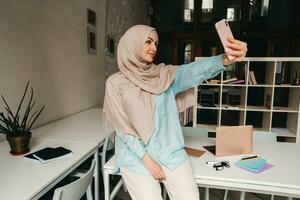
{"x": 236, "y": 51}
{"x": 154, "y": 168}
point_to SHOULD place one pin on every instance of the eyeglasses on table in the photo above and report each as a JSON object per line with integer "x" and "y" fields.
{"x": 220, "y": 166}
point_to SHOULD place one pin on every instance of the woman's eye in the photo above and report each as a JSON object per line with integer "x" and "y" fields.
{"x": 148, "y": 42}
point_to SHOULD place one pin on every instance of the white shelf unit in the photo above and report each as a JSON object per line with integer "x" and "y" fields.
{"x": 245, "y": 112}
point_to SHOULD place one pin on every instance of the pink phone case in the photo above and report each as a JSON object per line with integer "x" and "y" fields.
{"x": 224, "y": 32}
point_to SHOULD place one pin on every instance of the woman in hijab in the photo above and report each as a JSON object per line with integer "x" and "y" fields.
{"x": 141, "y": 105}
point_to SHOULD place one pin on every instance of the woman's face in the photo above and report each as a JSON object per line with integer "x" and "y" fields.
{"x": 149, "y": 48}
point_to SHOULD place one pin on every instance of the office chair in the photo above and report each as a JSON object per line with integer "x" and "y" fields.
{"x": 108, "y": 169}
{"x": 78, "y": 188}
{"x": 106, "y": 146}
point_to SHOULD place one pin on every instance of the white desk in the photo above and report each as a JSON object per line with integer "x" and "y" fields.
{"x": 282, "y": 179}
{"x": 24, "y": 179}
{"x": 86, "y": 126}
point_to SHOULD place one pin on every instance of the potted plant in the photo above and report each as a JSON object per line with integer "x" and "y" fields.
{"x": 16, "y": 127}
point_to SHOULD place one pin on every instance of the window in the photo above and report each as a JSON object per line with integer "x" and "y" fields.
{"x": 265, "y": 8}
{"x": 230, "y": 14}
{"x": 233, "y": 13}
{"x": 258, "y": 9}
{"x": 188, "y": 10}
{"x": 188, "y": 53}
{"x": 207, "y": 10}
{"x": 207, "y": 6}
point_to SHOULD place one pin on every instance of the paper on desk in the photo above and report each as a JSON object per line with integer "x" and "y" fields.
{"x": 194, "y": 152}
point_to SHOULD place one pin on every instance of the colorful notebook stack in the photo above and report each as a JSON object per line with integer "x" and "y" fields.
{"x": 254, "y": 165}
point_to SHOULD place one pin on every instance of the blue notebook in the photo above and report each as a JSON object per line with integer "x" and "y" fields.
{"x": 264, "y": 168}
{"x": 254, "y": 164}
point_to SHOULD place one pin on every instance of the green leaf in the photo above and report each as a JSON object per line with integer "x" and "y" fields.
{"x": 30, "y": 124}
{"x": 28, "y": 109}
{"x": 6, "y": 122}
{"x": 7, "y": 106}
{"x": 14, "y": 124}
{"x": 21, "y": 102}
{"x": 3, "y": 129}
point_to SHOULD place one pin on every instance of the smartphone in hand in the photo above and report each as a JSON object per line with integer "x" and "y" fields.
{"x": 224, "y": 32}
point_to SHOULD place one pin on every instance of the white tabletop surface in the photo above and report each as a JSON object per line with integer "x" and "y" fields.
{"x": 21, "y": 178}
{"x": 283, "y": 178}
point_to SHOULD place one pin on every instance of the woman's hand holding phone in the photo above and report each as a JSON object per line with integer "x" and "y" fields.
{"x": 235, "y": 51}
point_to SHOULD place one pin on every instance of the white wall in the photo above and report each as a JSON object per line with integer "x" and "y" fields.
{"x": 45, "y": 42}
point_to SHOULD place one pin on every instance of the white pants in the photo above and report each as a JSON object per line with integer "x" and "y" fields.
{"x": 180, "y": 184}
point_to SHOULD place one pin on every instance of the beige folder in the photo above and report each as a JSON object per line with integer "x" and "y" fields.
{"x": 234, "y": 140}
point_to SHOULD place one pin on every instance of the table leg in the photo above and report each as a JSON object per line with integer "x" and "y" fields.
{"x": 225, "y": 194}
{"x": 206, "y": 193}
{"x": 106, "y": 186}
{"x": 242, "y": 197}
{"x": 96, "y": 157}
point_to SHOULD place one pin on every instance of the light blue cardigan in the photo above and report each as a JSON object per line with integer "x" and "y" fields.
{"x": 166, "y": 145}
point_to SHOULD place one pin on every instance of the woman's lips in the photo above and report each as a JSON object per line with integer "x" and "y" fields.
{"x": 151, "y": 54}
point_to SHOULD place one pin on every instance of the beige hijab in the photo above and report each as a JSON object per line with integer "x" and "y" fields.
{"x": 129, "y": 96}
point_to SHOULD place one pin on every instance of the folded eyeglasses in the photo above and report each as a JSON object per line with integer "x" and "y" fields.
{"x": 220, "y": 166}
